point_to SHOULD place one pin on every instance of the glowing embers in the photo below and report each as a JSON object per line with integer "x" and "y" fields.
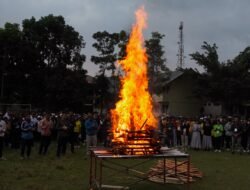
{"x": 144, "y": 142}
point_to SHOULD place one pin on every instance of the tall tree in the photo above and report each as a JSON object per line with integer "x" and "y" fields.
{"x": 237, "y": 81}
{"x": 209, "y": 60}
{"x": 10, "y": 56}
{"x": 59, "y": 51}
{"x": 105, "y": 45}
{"x": 59, "y": 44}
{"x": 227, "y": 83}
{"x": 42, "y": 63}
{"x": 157, "y": 69}
{"x": 210, "y": 81}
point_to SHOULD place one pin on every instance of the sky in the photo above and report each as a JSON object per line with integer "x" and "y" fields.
{"x": 224, "y": 22}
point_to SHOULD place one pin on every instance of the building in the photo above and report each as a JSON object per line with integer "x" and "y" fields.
{"x": 178, "y": 97}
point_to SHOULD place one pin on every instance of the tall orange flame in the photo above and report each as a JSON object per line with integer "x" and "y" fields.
{"x": 135, "y": 105}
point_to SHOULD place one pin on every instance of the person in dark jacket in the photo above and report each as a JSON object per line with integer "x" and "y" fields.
{"x": 207, "y": 139}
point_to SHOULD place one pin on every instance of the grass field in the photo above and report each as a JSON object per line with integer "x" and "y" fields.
{"x": 222, "y": 171}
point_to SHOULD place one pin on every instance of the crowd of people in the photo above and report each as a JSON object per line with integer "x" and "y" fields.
{"x": 21, "y": 131}
{"x": 207, "y": 133}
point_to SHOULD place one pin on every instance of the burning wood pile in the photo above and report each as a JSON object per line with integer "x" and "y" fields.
{"x": 143, "y": 142}
{"x": 176, "y": 175}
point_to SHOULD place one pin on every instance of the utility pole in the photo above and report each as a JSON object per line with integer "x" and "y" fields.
{"x": 180, "y": 54}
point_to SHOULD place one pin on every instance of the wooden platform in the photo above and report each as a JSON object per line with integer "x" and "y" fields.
{"x": 101, "y": 158}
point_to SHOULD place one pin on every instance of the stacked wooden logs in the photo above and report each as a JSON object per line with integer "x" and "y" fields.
{"x": 176, "y": 175}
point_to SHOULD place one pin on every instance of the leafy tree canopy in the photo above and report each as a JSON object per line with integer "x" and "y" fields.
{"x": 42, "y": 64}
{"x": 105, "y": 45}
{"x": 157, "y": 69}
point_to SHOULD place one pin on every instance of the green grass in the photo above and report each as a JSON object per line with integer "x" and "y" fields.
{"x": 221, "y": 171}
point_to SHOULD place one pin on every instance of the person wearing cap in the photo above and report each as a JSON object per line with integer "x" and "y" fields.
{"x": 2, "y": 133}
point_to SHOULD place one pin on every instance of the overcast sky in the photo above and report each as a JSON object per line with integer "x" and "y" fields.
{"x": 224, "y": 22}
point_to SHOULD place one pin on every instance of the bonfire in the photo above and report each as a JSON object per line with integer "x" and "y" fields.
{"x": 133, "y": 121}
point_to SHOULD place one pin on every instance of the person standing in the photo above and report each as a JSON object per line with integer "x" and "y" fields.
{"x": 72, "y": 139}
{"x": 178, "y": 133}
{"x": 91, "y": 126}
{"x": 228, "y": 133}
{"x": 45, "y": 127}
{"x": 207, "y": 139}
{"x": 77, "y": 130}
{"x": 106, "y": 130}
{"x": 248, "y": 135}
{"x": 184, "y": 134}
{"x": 244, "y": 127}
{"x": 26, "y": 136}
{"x": 217, "y": 133}
{"x": 170, "y": 133}
{"x": 167, "y": 132}
{"x": 196, "y": 136}
{"x": 236, "y": 136}
{"x": 62, "y": 138}
{"x": 15, "y": 132}
{"x": 2, "y": 133}
{"x": 83, "y": 129}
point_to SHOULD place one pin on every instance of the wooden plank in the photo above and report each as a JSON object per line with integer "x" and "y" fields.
{"x": 172, "y": 180}
{"x": 114, "y": 187}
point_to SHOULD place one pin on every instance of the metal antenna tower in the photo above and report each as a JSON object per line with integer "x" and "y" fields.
{"x": 180, "y": 54}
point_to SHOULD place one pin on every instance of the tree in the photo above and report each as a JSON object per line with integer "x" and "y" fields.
{"x": 209, "y": 60}
{"x": 209, "y": 82}
{"x": 10, "y": 56}
{"x": 123, "y": 40}
{"x": 102, "y": 92}
{"x": 227, "y": 83}
{"x": 105, "y": 45}
{"x": 42, "y": 64}
{"x": 157, "y": 69}
{"x": 237, "y": 80}
{"x": 59, "y": 44}
{"x": 57, "y": 53}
